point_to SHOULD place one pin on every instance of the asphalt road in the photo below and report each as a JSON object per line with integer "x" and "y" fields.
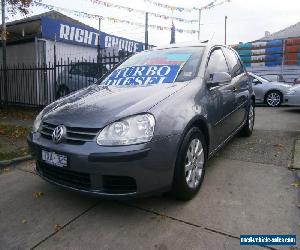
{"x": 248, "y": 189}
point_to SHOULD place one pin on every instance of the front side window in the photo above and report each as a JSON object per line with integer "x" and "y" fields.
{"x": 257, "y": 79}
{"x": 234, "y": 64}
{"x": 216, "y": 63}
{"x": 157, "y": 67}
{"x": 262, "y": 79}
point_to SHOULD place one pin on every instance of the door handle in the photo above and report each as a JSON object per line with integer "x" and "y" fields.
{"x": 235, "y": 89}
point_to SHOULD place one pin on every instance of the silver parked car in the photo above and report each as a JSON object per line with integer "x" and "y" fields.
{"x": 292, "y": 96}
{"x": 77, "y": 76}
{"x": 270, "y": 93}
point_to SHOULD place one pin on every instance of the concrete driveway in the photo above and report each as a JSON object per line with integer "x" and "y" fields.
{"x": 248, "y": 189}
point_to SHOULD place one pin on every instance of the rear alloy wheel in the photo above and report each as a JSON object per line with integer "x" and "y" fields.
{"x": 273, "y": 98}
{"x": 247, "y": 129}
{"x": 190, "y": 165}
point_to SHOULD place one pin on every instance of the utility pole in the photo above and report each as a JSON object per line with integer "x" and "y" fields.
{"x": 225, "y": 30}
{"x": 199, "y": 24}
{"x": 146, "y": 31}
{"x": 4, "y": 52}
{"x": 98, "y": 47}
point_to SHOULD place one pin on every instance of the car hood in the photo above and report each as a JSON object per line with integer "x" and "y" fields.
{"x": 97, "y": 106}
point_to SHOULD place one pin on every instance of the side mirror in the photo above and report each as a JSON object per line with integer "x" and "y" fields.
{"x": 218, "y": 78}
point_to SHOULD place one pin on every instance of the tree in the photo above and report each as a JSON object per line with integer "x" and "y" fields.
{"x": 15, "y": 6}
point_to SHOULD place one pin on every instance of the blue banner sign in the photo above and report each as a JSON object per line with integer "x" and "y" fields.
{"x": 67, "y": 32}
{"x": 143, "y": 75}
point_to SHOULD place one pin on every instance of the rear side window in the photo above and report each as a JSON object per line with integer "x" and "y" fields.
{"x": 234, "y": 63}
{"x": 216, "y": 63}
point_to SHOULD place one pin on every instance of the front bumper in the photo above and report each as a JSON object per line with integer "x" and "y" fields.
{"x": 113, "y": 172}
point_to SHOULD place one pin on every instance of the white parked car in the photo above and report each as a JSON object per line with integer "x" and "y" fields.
{"x": 270, "y": 93}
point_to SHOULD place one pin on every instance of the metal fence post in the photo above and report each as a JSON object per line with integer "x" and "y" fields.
{"x": 22, "y": 78}
{"x": 54, "y": 65}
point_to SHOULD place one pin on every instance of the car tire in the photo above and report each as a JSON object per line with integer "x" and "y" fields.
{"x": 190, "y": 165}
{"x": 247, "y": 129}
{"x": 273, "y": 98}
{"x": 62, "y": 91}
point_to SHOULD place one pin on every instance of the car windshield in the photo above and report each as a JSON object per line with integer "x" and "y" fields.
{"x": 157, "y": 67}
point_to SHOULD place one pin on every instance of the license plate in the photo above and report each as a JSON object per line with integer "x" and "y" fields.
{"x": 54, "y": 159}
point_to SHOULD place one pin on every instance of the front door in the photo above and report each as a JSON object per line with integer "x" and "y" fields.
{"x": 221, "y": 99}
{"x": 240, "y": 86}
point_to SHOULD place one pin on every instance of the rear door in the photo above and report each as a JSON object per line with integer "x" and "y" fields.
{"x": 221, "y": 99}
{"x": 240, "y": 85}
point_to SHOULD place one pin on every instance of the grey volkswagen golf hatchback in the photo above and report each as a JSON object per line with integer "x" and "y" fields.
{"x": 149, "y": 126}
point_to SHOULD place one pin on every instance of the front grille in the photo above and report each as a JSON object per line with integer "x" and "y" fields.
{"x": 65, "y": 177}
{"x": 119, "y": 184}
{"x": 74, "y": 135}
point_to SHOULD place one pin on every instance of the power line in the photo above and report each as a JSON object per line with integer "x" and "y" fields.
{"x": 163, "y": 16}
{"x": 171, "y": 7}
{"x": 110, "y": 19}
{"x": 185, "y": 9}
{"x": 111, "y": 30}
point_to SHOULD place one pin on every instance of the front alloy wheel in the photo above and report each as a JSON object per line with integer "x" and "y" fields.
{"x": 273, "y": 99}
{"x": 194, "y": 161}
{"x": 190, "y": 165}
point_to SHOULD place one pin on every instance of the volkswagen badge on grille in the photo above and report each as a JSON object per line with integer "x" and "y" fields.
{"x": 58, "y": 133}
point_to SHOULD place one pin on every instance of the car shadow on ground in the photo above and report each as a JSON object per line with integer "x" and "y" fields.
{"x": 295, "y": 110}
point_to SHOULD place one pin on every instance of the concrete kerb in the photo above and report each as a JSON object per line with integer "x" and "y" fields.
{"x": 296, "y": 155}
{"x": 6, "y": 163}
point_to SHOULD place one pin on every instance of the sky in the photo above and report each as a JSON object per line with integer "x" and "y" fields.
{"x": 247, "y": 20}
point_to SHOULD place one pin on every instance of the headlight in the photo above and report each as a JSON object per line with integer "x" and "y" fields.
{"x": 37, "y": 122}
{"x": 132, "y": 130}
{"x": 291, "y": 92}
